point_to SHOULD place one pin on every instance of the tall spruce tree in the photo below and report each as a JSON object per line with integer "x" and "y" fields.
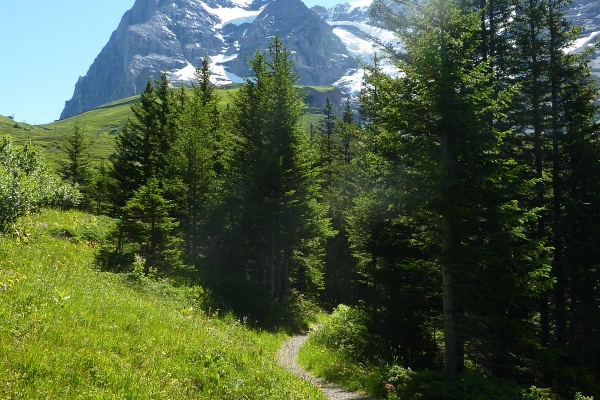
{"x": 144, "y": 144}
{"x": 338, "y": 177}
{"x": 555, "y": 115}
{"x": 135, "y": 147}
{"x": 98, "y": 191}
{"x": 459, "y": 186}
{"x": 145, "y": 223}
{"x": 326, "y": 137}
{"x": 76, "y": 168}
{"x": 279, "y": 223}
{"x": 195, "y": 154}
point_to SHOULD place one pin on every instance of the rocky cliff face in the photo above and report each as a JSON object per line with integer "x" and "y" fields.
{"x": 586, "y": 13}
{"x": 174, "y": 35}
{"x": 319, "y": 55}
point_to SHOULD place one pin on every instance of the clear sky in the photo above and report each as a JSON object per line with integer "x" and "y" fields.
{"x": 45, "y": 46}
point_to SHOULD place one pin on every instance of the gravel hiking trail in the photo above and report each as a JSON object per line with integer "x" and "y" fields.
{"x": 287, "y": 356}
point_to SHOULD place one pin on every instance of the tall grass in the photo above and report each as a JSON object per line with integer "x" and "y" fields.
{"x": 68, "y": 330}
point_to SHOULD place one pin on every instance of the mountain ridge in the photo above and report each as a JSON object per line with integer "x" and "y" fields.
{"x": 174, "y": 35}
{"x": 157, "y": 35}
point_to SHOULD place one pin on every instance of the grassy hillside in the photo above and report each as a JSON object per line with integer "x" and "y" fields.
{"x": 101, "y": 124}
{"x": 70, "y": 331}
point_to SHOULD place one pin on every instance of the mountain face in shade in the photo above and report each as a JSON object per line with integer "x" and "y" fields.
{"x": 319, "y": 56}
{"x": 175, "y": 35}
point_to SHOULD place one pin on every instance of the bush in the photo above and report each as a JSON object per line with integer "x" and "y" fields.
{"x": 26, "y": 183}
{"x": 345, "y": 331}
{"x": 406, "y": 384}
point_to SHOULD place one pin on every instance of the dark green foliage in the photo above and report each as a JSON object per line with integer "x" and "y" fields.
{"x": 98, "y": 189}
{"x": 337, "y": 145}
{"x": 407, "y": 384}
{"x": 327, "y": 141}
{"x": 277, "y": 226}
{"x": 555, "y": 115}
{"x": 146, "y": 224}
{"x": 197, "y": 158}
{"x": 456, "y": 191}
{"x": 236, "y": 293}
{"x": 134, "y": 149}
{"x": 76, "y": 167}
{"x": 143, "y": 145}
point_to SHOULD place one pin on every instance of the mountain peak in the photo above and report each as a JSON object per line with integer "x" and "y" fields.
{"x": 174, "y": 35}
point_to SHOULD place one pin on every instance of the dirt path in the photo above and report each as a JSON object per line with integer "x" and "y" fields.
{"x": 286, "y": 357}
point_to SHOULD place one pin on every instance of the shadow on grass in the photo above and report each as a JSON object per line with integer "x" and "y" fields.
{"x": 223, "y": 292}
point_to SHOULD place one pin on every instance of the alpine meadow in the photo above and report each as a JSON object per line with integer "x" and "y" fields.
{"x": 437, "y": 234}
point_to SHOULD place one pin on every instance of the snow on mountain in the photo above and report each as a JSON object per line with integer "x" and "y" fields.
{"x": 349, "y": 22}
{"x": 221, "y": 76}
{"x": 175, "y": 35}
{"x": 582, "y": 43}
{"x": 232, "y": 15}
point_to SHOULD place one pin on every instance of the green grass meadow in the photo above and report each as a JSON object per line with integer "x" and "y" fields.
{"x": 102, "y": 124}
{"x": 69, "y": 331}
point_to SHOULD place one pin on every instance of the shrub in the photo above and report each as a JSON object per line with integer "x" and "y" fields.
{"x": 26, "y": 183}
{"x": 345, "y": 331}
{"x": 406, "y": 384}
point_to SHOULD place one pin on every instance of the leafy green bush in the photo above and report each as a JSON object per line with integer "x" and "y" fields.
{"x": 440, "y": 385}
{"x": 345, "y": 331}
{"x": 579, "y": 396}
{"x": 406, "y": 384}
{"x": 26, "y": 183}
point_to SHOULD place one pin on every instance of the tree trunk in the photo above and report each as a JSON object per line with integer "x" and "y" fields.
{"x": 537, "y": 153}
{"x": 449, "y": 165}
{"x": 557, "y": 263}
{"x": 285, "y": 276}
{"x": 450, "y": 339}
{"x": 272, "y": 266}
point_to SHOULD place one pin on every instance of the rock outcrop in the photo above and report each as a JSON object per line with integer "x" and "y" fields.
{"x": 174, "y": 35}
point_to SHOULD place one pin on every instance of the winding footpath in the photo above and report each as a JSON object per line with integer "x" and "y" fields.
{"x": 286, "y": 357}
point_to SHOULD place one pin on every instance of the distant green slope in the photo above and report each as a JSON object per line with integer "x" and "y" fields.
{"x": 101, "y": 124}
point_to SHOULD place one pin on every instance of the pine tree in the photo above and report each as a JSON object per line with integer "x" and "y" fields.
{"x": 166, "y": 119}
{"x": 76, "y": 168}
{"x": 338, "y": 176}
{"x": 98, "y": 190}
{"x": 135, "y": 148}
{"x": 556, "y": 115}
{"x": 279, "y": 220}
{"x": 146, "y": 223}
{"x": 435, "y": 125}
{"x": 143, "y": 146}
{"x": 325, "y": 129}
{"x": 196, "y": 153}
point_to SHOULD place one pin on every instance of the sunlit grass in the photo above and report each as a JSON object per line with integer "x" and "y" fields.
{"x": 101, "y": 125}
{"x": 70, "y": 331}
{"x": 340, "y": 369}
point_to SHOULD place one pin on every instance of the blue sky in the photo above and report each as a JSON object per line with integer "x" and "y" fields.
{"x": 45, "y": 46}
